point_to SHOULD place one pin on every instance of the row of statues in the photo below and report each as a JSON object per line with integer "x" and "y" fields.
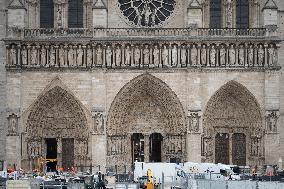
{"x": 142, "y": 55}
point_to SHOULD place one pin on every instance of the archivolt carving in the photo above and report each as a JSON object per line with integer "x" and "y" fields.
{"x": 232, "y": 109}
{"x": 57, "y": 114}
{"x": 146, "y": 104}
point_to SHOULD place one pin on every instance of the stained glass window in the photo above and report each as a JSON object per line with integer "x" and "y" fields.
{"x": 46, "y": 14}
{"x": 215, "y": 13}
{"x": 147, "y": 13}
{"x": 242, "y": 14}
{"x": 75, "y": 14}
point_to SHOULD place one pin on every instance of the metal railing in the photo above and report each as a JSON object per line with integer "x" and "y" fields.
{"x": 138, "y": 32}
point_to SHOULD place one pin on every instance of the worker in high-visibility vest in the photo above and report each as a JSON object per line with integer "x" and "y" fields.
{"x": 149, "y": 183}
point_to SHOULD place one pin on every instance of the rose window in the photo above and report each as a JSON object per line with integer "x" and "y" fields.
{"x": 147, "y": 13}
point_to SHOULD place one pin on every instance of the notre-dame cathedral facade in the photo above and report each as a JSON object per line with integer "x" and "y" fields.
{"x": 105, "y": 83}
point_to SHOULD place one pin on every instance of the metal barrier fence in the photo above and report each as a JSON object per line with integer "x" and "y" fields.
{"x": 210, "y": 184}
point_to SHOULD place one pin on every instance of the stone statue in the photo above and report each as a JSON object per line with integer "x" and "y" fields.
{"x": 232, "y": 55}
{"x": 272, "y": 56}
{"x": 147, "y": 12}
{"x": 117, "y": 56}
{"x": 99, "y": 53}
{"x": 222, "y": 56}
{"x": 24, "y": 56}
{"x": 71, "y": 56}
{"x": 229, "y": 13}
{"x": 52, "y": 56}
{"x": 213, "y": 56}
{"x": 183, "y": 55}
{"x": 108, "y": 56}
{"x": 271, "y": 121}
{"x": 146, "y": 53}
{"x": 80, "y": 56}
{"x": 193, "y": 55}
{"x": 165, "y": 56}
{"x": 13, "y": 124}
{"x": 43, "y": 56}
{"x": 250, "y": 56}
{"x": 13, "y": 56}
{"x": 260, "y": 61}
{"x": 136, "y": 56}
{"x": 241, "y": 56}
{"x": 203, "y": 56}
{"x": 99, "y": 123}
{"x": 156, "y": 54}
{"x": 127, "y": 60}
{"x": 61, "y": 54}
{"x": 59, "y": 17}
{"x": 33, "y": 55}
{"x": 174, "y": 56}
{"x": 89, "y": 56}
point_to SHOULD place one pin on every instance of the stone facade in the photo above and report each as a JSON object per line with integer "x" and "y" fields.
{"x": 197, "y": 90}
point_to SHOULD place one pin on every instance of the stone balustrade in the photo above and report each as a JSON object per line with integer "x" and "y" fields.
{"x": 42, "y": 33}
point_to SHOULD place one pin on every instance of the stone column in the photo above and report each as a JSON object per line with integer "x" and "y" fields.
{"x": 231, "y": 148}
{"x": 61, "y": 12}
{"x": 146, "y": 148}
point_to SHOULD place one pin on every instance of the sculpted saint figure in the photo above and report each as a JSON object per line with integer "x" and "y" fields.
{"x": 52, "y": 56}
{"x": 89, "y": 56}
{"x": 108, "y": 56}
{"x": 61, "y": 53}
{"x": 136, "y": 56}
{"x": 213, "y": 56}
{"x": 43, "y": 56}
{"x": 241, "y": 56}
{"x": 127, "y": 56}
{"x": 33, "y": 55}
{"x": 71, "y": 56}
{"x": 156, "y": 54}
{"x": 80, "y": 56}
{"x": 24, "y": 56}
{"x": 194, "y": 56}
{"x": 13, "y": 56}
{"x": 222, "y": 56}
{"x": 232, "y": 55}
{"x": 174, "y": 56}
{"x": 146, "y": 53}
{"x": 250, "y": 56}
{"x": 183, "y": 56}
{"x": 117, "y": 56}
{"x": 99, "y": 53}
{"x": 260, "y": 61}
{"x": 203, "y": 56}
{"x": 165, "y": 56}
{"x": 272, "y": 56}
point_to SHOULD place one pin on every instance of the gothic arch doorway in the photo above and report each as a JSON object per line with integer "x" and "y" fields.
{"x": 233, "y": 132}
{"x": 145, "y": 105}
{"x": 57, "y": 131}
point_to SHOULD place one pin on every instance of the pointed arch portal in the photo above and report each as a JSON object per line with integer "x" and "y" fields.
{"x": 145, "y": 112}
{"x": 57, "y": 131}
{"x": 232, "y": 123}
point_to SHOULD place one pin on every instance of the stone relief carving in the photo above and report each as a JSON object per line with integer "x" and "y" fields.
{"x": 142, "y": 55}
{"x": 98, "y": 122}
{"x": 13, "y": 124}
{"x": 271, "y": 118}
{"x": 57, "y": 114}
{"x": 194, "y": 121}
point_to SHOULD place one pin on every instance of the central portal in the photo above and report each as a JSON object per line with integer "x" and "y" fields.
{"x": 155, "y": 152}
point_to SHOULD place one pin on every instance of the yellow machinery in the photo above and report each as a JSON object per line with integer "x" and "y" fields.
{"x": 149, "y": 183}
